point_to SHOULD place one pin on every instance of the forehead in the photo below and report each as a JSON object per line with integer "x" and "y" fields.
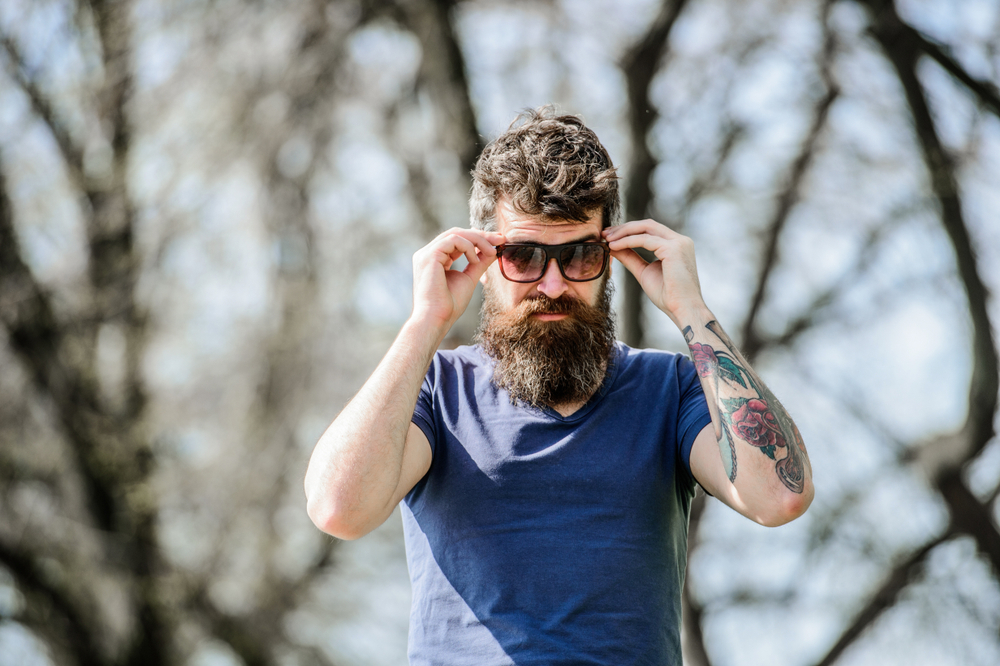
{"x": 519, "y": 227}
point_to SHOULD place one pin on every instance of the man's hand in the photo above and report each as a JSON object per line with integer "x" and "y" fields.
{"x": 440, "y": 294}
{"x": 670, "y": 282}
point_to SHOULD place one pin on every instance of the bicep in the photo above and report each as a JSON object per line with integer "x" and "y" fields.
{"x": 416, "y": 461}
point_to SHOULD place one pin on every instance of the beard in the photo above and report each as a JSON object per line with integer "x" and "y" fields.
{"x": 548, "y": 363}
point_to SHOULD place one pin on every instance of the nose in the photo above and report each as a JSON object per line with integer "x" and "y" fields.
{"x": 553, "y": 284}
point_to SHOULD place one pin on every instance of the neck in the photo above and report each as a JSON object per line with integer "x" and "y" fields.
{"x": 568, "y": 408}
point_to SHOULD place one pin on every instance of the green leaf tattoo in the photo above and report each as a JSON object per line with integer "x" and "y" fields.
{"x": 729, "y": 370}
{"x": 732, "y": 404}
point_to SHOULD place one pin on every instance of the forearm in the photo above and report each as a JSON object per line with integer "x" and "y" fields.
{"x": 356, "y": 466}
{"x": 761, "y": 450}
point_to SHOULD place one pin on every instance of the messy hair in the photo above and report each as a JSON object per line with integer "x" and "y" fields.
{"x": 548, "y": 165}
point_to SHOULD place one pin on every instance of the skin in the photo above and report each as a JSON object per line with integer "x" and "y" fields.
{"x": 371, "y": 456}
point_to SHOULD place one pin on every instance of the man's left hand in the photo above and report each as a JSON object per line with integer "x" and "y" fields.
{"x": 670, "y": 282}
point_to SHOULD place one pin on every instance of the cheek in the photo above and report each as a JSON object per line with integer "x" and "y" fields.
{"x": 504, "y": 294}
{"x": 512, "y": 293}
{"x": 490, "y": 276}
{"x": 588, "y": 292}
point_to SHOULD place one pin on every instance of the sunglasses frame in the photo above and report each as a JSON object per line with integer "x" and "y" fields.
{"x": 552, "y": 252}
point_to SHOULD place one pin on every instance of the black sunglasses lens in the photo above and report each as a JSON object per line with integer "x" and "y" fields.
{"x": 523, "y": 262}
{"x": 582, "y": 262}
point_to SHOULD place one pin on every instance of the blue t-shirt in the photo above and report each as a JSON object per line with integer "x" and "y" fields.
{"x": 541, "y": 539}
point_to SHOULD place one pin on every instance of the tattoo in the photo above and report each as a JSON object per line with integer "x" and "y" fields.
{"x": 688, "y": 334}
{"x": 748, "y": 411}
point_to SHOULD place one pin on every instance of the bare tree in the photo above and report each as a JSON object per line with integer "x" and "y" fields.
{"x": 202, "y": 206}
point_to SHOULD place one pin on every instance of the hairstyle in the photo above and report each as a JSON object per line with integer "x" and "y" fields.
{"x": 549, "y": 165}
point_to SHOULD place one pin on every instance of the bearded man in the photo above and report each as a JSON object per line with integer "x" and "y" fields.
{"x": 546, "y": 473}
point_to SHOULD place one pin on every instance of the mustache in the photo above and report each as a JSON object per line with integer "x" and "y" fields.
{"x": 542, "y": 304}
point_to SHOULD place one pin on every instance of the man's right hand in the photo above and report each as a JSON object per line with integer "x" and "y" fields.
{"x": 440, "y": 294}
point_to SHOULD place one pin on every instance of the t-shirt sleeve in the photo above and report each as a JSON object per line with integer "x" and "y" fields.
{"x": 423, "y": 413}
{"x": 693, "y": 415}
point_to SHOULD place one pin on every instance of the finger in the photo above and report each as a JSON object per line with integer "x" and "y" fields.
{"x": 634, "y": 227}
{"x": 482, "y": 239}
{"x": 476, "y": 270}
{"x": 646, "y": 241}
{"x": 631, "y": 260}
{"x": 484, "y": 249}
{"x": 456, "y": 246}
{"x": 442, "y": 251}
{"x": 484, "y": 252}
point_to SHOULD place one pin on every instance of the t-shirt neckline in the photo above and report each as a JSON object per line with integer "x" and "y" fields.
{"x": 614, "y": 364}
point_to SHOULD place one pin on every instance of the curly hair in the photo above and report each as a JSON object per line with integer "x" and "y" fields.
{"x": 548, "y": 165}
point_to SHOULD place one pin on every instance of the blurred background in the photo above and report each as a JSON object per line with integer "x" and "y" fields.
{"x": 207, "y": 214}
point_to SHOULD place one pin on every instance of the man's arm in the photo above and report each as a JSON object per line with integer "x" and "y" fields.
{"x": 372, "y": 455}
{"x": 752, "y": 457}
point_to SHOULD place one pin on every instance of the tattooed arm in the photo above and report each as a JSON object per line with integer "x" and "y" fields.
{"x": 754, "y": 442}
{"x": 752, "y": 456}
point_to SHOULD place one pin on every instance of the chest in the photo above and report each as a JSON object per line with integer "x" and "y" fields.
{"x": 528, "y": 468}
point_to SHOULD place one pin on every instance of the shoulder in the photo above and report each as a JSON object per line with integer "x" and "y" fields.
{"x": 645, "y": 366}
{"x": 463, "y": 357}
{"x": 459, "y": 366}
{"x": 648, "y": 359}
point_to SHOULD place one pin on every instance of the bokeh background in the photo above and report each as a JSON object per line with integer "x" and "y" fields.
{"x": 207, "y": 214}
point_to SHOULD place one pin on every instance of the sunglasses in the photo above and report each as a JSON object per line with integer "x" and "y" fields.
{"x": 578, "y": 262}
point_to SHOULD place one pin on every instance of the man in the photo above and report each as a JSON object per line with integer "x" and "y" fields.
{"x": 546, "y": 473}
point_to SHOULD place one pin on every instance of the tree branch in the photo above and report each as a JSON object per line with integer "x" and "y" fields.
{"x": 640, "y": 65}
{"x": 818, "y": 310}
{"x": 78, "y": 634}
{"x": 971, "y": 516}
{"x": 442, "y": 74}
{"x": 692, "y": 610}
{"x": 883, "y": 598}
{"x": 751, "y": 342}
{"x": 38, "y": 338}
{"x": 72, "y": 156}
{"x": 443, "y": 68}
{"x": 903, "y": 49}
{"x": 987, "y": 93}
{"x": 251, "y": 637}
{"x": 247, "y": 641}
{"x": 903, "y": 46}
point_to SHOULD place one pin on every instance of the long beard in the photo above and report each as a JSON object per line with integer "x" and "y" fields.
{"x": 548, "y": 363}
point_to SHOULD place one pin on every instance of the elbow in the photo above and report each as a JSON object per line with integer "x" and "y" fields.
{"x": 788, "y": 507}
{"x": 330, "y": 517}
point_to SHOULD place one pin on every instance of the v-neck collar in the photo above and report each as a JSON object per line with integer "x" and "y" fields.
{"x": 614, "y": 366}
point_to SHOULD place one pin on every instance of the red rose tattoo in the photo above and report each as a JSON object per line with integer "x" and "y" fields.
{"x": 757, "y": 426}
{"x": 705, "y": 361}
